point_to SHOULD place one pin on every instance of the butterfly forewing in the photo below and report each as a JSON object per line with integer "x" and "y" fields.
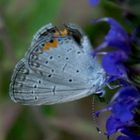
{"x": 56, "y": 68}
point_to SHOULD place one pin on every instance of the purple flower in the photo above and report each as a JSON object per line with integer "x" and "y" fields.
{"x": 125, "y": 104}
{"x": 112, "y": 63}
{"x": 131, "y": 135}
{"x": 123, "y": 138}
{"x": 117, "y": 38}
{"x": 126, "y": 50}
{"x": 94, "y": 2}
{"x": 123, "y": 64}
{"x": 122, "y": 107}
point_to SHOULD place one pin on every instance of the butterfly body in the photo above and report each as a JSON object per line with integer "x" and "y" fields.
{"x": 58, "y": 67}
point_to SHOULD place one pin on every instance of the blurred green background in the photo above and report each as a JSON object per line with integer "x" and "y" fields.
{"x": 19, "y": 20}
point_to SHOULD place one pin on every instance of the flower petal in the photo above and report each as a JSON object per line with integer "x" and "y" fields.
{"x": 112, "y": 63}
{"x": 117, "y": 36}
{"x": 94, "y": 2}
{"x": 123, "y": 138}
{"x": 132, "y": 135}
{"x": 121, "y": 112}
{"x": 112, "y": 125}
{"x": 125, "y": 93}
{"x": 122, "y": 106}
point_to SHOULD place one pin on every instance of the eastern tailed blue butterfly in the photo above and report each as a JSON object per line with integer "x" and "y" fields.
{"x": 57, "y": 68}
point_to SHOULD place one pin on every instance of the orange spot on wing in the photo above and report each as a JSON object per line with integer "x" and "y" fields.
{"x": 62, "y": 33}
{"x": 48, "y": 45}
{"x": 54, "y": 44}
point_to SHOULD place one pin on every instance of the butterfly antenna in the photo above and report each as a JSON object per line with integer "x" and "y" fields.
{"x": 94, "y": 116}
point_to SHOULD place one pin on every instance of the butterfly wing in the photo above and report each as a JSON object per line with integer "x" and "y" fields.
{"x": 29, "y": 88}
{"x": 59, "y": 70}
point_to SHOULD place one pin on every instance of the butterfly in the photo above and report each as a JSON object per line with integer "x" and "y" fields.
{"x": 58, "y": 67}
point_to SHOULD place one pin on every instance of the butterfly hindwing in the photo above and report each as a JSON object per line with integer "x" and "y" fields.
{"x": 29, "y": 88}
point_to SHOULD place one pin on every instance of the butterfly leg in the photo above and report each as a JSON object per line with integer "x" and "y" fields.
{"x": 113, "y": 86}
{"x": 100, "y": 94}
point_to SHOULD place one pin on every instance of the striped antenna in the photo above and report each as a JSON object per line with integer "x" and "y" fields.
{"x": 95, "y": 122}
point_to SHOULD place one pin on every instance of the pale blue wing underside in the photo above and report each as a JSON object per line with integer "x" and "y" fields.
{"x": 29, "y": 88}
{"x": 65, "y": 73}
